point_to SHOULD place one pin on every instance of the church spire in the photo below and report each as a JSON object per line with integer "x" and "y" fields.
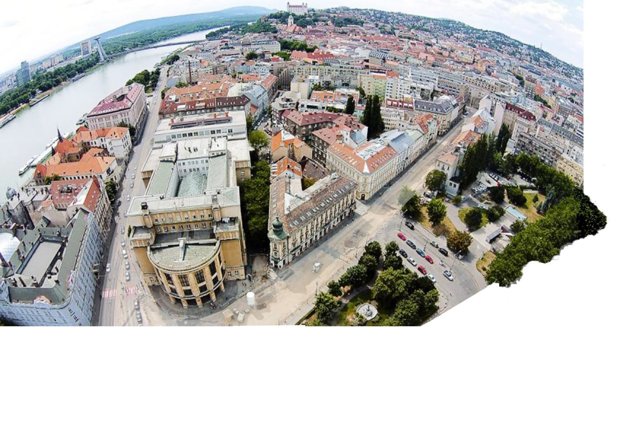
{"x": 58, "y": 134}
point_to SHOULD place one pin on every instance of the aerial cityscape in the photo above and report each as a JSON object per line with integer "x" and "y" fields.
{"x": 302, "y": 166}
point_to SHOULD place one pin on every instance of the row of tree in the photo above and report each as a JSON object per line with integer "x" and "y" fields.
{"x": 255, "y": 206}
{"x": 147, "y": 78}
{"x": 372, "y": 117}
{"x": 42, "y": 82}
{"x": 457, "y": 241}
{"x": 486, "y": 153}
{"x": 568, "y": 215}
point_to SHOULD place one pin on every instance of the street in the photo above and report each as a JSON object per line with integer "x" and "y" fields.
{"x": 118, "y": 295}
{"x": 291, "y": 295}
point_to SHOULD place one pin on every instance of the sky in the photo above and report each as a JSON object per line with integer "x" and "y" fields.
{"x": 40, "y": 27}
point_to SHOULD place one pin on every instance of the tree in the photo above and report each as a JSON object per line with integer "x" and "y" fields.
{"x": 374, "y": 249}
{"x": 258, "y": 139}
{"x": 366, "y": 114}
{"x": 502, "y": 138}
{"x": 110, "y": 186}
{"x": 473, "y": 218}
{"x": 249, "y": 122}
{"x": 355, "y": 276}
{"x": 516, "y": 196}
{"x": 459, "y": 242}
{"x": 350, "y": 106}
{"x": 496, "y": 194}
{"x": 456, "y": 200}
{"x": 390, "y": 286}
{"x": 391, "y": 249}
{"x": 255, "y": 204}
{"x": 435, "y": 180}
{"x": 406, "y": 312}
{"x": 251, "y": 56}
{"x": 334, "y": 288}
{"x": 436, "y": 211}
{"x": 393, "y": 262}
{"x": 376, "y": 118}
{"x": 412, "y": 208}
{"x": 391, "y": 259}
{"x": 494, "y": 213}
{"x": 370, "y": 263}
{"x": 325, "y": 307}
{"x": 372, "y": 117}
{"x": 518, "y": 226}
{"x": 405, "y": 194}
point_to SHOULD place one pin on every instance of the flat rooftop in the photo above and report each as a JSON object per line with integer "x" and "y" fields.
{"x": 41, "y": 259}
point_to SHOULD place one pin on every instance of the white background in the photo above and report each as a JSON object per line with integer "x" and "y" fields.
{"x": 541, "y": 360}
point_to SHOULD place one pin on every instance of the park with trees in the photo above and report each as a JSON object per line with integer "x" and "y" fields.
{"x": 401, "y": 296}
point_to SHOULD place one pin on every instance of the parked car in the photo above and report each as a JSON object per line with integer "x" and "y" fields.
{"x": 108, "y": 267}
{"x": 123, "y": 243}
{"x": 422, "y": 269}
{"x": 411, "y": 244}
{"x": 448, "y": 275}
{"x": 443, "y": 251}
{"x": 403, "y": 253}
{"x": 401, "y": 235}
{"x": 429, "y": 259}
{"x": 127, "y": 265}
{"x": 409, "y": 225}
{"x": 132, "y": 184}
{"x": 127, "y": 276}
{"x": 412, "y": 261}
{"x": 434, "y": 244}
{"x": 432, "y": 278}
{"x": 420, "y": 252}
{"x": 128, "y": 197}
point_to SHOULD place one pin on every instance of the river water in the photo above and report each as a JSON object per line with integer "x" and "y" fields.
{"x": 32, "y": 129}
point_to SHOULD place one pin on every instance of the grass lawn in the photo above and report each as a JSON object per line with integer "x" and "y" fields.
{"x": 530, "y": 207}
{"x": 463, "y": 211}
{"x": 483, "y": 264}
{"x": 445, "y": 228}
{"x": 349, "y": 311}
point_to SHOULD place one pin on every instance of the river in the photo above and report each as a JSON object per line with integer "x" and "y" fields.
{"x": 32, "y": 129}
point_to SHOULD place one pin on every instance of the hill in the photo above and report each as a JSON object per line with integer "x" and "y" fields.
{"x": 177, "y": 20}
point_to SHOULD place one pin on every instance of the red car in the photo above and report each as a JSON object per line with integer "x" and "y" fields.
{"x": 401, "y": 236}
{"x": 429, "y": 259}
{"x": 422, "y": 269}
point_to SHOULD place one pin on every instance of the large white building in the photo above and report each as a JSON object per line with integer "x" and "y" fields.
{"x": 229, "y": 124}
{"x": 50, "y": 277}
{"x": 371, "y": 166}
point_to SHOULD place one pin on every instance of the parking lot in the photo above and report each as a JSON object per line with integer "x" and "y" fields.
{"x": 466, "y": 279}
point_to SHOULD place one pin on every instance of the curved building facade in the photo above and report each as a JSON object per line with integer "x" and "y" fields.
{"x": 191, "y": 271}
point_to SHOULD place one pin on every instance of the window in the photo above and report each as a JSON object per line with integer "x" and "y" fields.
{"x": 199, "y": 276}
{"x": 184, "y": 279}
{"x": 213, "y": 268}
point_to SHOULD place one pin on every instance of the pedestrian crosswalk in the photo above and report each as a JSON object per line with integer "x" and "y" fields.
{"x": 108, "y": 293}
{"x": 128, "y": 291}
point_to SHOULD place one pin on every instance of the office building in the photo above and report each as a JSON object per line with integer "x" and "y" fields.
{"x": 49, "y": 278}
{"x": 186, "y": 231}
